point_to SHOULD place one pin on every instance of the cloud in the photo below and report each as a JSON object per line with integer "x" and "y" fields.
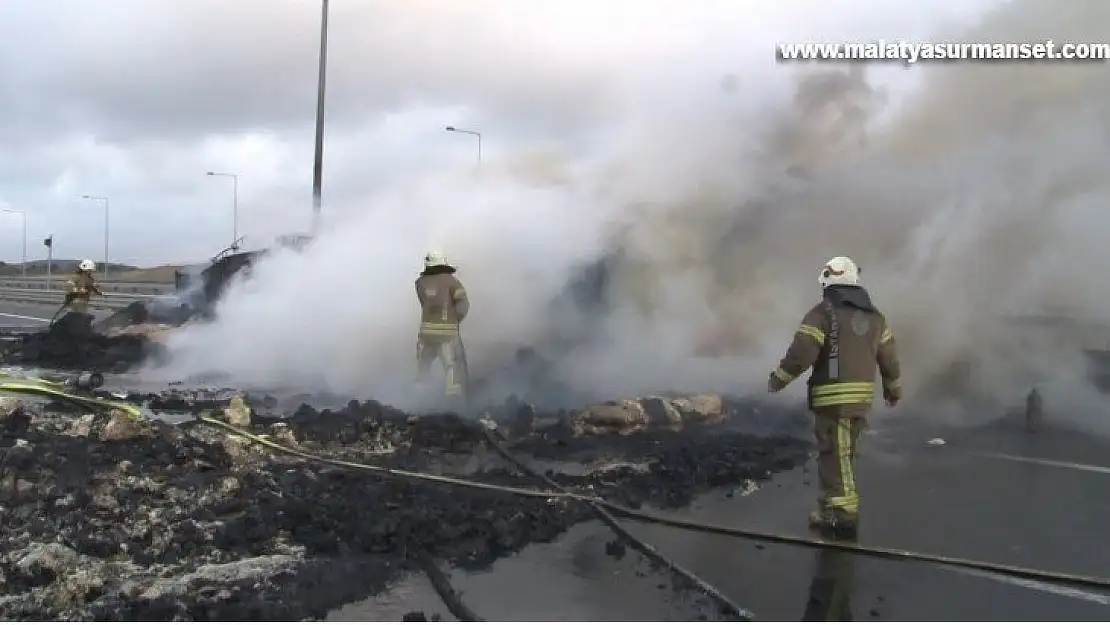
{"x": 133, "y": 99}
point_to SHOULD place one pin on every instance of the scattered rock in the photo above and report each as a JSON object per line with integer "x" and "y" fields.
{"x": 701, "y": 408}
{"x": 14, "y": 417}
{"x": 8, "y": 407}
{"x": 622, "y": 417}
{"x": 283, "y": 435}
{"x": 635, "y": 415}
{"x": 82, "y": 426}
{"x": 662, "y": 413}
{"x": 238, "y": 413}
{"x": 46, "y": 561}
{"x": 122, "y": 427}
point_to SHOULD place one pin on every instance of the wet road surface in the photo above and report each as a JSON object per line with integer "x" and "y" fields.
{"x": 943, "y": 500}
{"x": 15, "y": 315}
{"x": 24, "y": 315}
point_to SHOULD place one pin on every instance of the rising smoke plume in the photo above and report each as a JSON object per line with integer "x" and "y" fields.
{"x": 695, "y": 231}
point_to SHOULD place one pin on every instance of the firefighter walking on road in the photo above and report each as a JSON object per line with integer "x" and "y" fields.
{"x": 844, "y": 338}
{"x": 444, "y": 305}
{"x": 82, "y": 286}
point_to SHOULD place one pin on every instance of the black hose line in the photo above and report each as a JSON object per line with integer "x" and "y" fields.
{"x": 644, "y": 548}
{"x": 450, "y": 597}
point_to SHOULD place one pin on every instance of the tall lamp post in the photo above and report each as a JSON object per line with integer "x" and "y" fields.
{"x": 318, "y": 156}
{"x": 469, "y": 132}
{"x": 234, "y": 206}
{"x": 98, "y": 198}
{"x": 23, "y": 257}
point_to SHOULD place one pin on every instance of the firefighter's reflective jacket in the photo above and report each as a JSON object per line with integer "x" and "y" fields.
{"x": 844, "y": 338}
{"x": 81, "y": 285}
{"x": 443, "y": 301}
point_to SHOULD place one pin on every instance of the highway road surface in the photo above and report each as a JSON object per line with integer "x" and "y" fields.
{"x": 944, "y": 500}
{"x": 16, "y": 315}
{"x": 24, "y": 315}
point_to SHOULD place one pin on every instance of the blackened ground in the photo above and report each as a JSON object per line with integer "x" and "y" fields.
{"x": 109, "y": 518}
{"x": 73, "y": 344}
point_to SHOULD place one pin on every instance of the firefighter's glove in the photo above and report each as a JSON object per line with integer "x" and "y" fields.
{"x": 892, "y": 398}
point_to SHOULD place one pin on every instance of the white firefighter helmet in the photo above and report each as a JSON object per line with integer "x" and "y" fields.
{"x": 839, "y": 270}
{"x": 87, "y": 265}
{"x": 435, "y": 258}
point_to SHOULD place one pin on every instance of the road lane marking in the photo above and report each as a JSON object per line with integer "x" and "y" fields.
{"x": 1056, "y": 589}
{"x": 1045, "y": 462}
{"x": 24, "y": 317}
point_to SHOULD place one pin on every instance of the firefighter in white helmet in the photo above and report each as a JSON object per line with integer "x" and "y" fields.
{"x": 844, "y": 338}
{"x": 443, "y": 307}
{"x": 82, "y": 286}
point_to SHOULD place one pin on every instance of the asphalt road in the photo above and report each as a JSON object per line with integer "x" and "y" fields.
{"x": 16, "y": 315}
{"x": 942, "y": 500}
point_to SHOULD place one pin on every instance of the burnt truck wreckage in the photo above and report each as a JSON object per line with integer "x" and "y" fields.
{"x": 76, "y": 342}
{"x": 197, "y": 290}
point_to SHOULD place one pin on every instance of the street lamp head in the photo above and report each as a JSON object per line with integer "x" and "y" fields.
{"x": 211, "y": 173}
{"x": 450, "y": 129}
{"x": 86, "y": 197}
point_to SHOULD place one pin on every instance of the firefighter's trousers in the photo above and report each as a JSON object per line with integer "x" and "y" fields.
{"x": 837, "y": 430}
{"x": 78, "y": 305}
{"x": 448, "y": 349}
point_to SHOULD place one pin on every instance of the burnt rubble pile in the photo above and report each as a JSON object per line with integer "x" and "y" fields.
{"x": 107, "y": 517}
{"x": 72, "y": 343}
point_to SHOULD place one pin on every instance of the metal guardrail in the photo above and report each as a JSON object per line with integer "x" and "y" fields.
{"x": 41, "y": 297}
{"x": 58, "y": 283}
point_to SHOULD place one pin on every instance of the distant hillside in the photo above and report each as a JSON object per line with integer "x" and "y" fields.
{"x": 116, "y": 272}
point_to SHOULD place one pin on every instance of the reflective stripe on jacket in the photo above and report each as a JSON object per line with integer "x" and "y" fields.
{"x": 844, "y": 344}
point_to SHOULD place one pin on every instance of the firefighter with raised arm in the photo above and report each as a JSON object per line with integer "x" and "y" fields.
{"x": 82, "y": 286}
{"x": 443, "y": 305}
{"x": 844, "y": 338}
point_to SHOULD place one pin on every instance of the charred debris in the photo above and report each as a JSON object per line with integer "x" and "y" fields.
{"x": 111, "y": 517}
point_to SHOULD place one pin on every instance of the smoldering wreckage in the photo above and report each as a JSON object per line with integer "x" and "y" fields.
{"x": 217, "y": 504}
{"x": 146, "y": 506}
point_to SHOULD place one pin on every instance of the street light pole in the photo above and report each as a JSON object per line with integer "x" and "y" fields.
{"x": 23, "y": 257}
{"x": 234, "y": 206}
{"x": 318, "y": 156}
{"x": 469, "y": 132}
{"x": 97, "y": 198}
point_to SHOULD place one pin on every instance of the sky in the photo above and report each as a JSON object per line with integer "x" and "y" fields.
{"x": 136, "y": 99}
{"x": 658, "y": 136}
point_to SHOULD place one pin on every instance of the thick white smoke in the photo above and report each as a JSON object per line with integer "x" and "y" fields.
{"x": 966, "y": 191}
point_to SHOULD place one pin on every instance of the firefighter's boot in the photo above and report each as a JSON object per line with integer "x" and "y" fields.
{"x": 834, "y": 524}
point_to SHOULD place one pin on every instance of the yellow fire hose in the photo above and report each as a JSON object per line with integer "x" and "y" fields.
{"x": 57, "y": 391}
